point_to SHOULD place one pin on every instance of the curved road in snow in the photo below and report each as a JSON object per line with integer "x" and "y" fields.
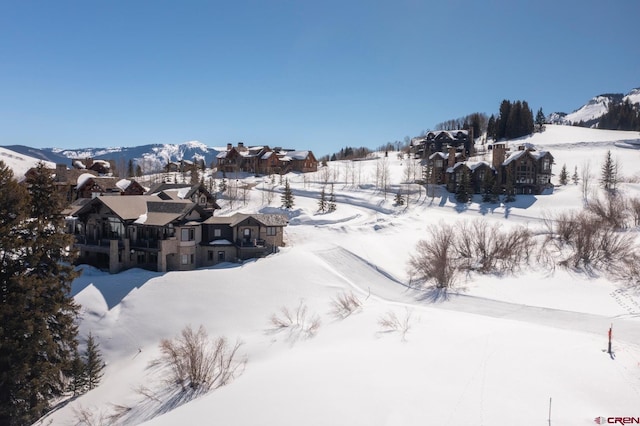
{"x": 367, "y": 278}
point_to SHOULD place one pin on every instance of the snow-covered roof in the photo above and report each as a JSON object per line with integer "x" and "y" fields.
{"x": 514, "y": 156}
{"x": 79, "y": 164}
{"x": 296, "y": 155}
{"x": 123, "y": 184}
{"x": 83, "y": 178}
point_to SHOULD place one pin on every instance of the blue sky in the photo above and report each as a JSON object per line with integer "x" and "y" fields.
{"x": 316, "y": 75}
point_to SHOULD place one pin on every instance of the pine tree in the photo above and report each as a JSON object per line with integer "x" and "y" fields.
{"x": 564, "y": 176}
{"x": 78, "y": 379}
{"x": 223, "y": 186}
{"x": 463, "y": 192}
{"x": 37, "y": 313}
{"x": 488, "y": 181}
{"x": 609, "y": 174}
{"x": 399, "y": 199}
{"x": 93, "y": 363}
{"x": 575, "y": 178}
{"x": 509, "y": 188}
{"x": 540, "y": 119}
{"x": 322, "y": 203}
{"x": 130, "y": 170}
{"x": 287, "y": 196}
{"x": 331, "y": 205}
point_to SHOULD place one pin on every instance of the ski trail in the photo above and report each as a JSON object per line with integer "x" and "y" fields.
{"x": 368, "y": 278}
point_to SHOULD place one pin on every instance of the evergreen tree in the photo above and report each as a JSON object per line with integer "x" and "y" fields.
{"x": 575, "y": 178}
{"x": 223, "y": 186}
{"x": 399, "y": 199}
{"x": 331, "y": 205}
{"x": 488, "y": 181}
{"x": 287, "y": 195}
{"x": 609, "y": 174}
{"x": 540, "y": 119}
{"x": 491, "y": 128}
{"x": 564, "y": 176}
{"x": 509, "y": 188}
{"x": 138, "y": 170}
{"x": 464, "y": 191}
{"x": 322, "y": 203}
{"x": 38, "y": 332}
{"x": 78, "y": 379}
{"x": 93, "y": 363}
{"x": 130, "y": 170}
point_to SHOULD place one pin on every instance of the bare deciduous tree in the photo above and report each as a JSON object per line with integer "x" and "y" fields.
{"x": 433, "y": 260}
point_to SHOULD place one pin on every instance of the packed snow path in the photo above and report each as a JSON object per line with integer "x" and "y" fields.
{"x": 367, "y": 279}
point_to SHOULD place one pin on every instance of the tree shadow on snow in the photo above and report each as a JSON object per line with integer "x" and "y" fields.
{"x": 434, "y": 295}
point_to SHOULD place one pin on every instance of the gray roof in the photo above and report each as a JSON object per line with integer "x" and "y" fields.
{"x": 271, "y": 219}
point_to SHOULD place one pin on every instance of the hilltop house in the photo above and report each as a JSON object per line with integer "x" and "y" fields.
{"x": 147, "y": 231}
{"x": 441, "y": 141}
{"x": 264, "y": 160}
{"x": 196, "y": 193}
{"x": 527, "y": 170}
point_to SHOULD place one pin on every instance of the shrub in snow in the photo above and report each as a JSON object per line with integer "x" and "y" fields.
{"x": 345, "y": 304}
{"x": 297, "y": 321}
{"x": 391, "y": 323}
{"x": 434, "y": 258}
{"x": 585, "y": 240}
{"x": 196, "y": 362}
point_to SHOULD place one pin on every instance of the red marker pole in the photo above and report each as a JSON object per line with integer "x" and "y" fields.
{"x": 610, "y": 331}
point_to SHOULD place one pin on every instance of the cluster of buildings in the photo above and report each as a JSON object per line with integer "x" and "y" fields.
{"x": 264, "y": 160}
{"x": 450, "y": 154}
{"x": 118, "y": 224}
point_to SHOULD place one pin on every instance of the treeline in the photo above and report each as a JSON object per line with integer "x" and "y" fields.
{"x": 621, "y": 116}
{"x": 347, "y": 153}
{"x": 514, "y": 120}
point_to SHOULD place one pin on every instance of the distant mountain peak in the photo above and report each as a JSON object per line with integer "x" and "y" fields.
{"x": 590, "y": 113}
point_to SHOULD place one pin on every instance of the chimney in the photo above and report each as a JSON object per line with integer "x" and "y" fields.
{"x": 451, "y": 159}
{"x": 61, "y": 173}
{"x": 240, "y": 145}
{"x": 229, "y": 146}
{"x": 499, "y": 153}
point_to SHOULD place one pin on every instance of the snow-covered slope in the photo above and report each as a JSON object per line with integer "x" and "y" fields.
{"x": 150, "y": 157}
{"x": 590, "y": 113}
{"x": 19, "y": 163}
{"x": 503, "y": 349}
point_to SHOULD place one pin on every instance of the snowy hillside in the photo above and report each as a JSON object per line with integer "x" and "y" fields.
{"x": 590, "y": 113}
{"x": 510, "y": 349}
{"x": 150, "y": 157}
{"x": 19, "y": 163}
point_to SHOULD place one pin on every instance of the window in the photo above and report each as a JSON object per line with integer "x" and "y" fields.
{"x": 184, "y": 259}
{"x": 438, "y": 163}
{"x": 545, "y": 164}
{"x": 203, "y": 200}
{"x": 220, "y": 256}
{"x": 210, "y": 255}
{"x": 217, "y": 232}
{"x": 188, "y": 234}
{"x": 271, "y": 230}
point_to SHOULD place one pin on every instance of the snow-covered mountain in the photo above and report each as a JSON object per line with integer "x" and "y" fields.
{"x": 151, "y": 157}
{"x": 590, "y": 113}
